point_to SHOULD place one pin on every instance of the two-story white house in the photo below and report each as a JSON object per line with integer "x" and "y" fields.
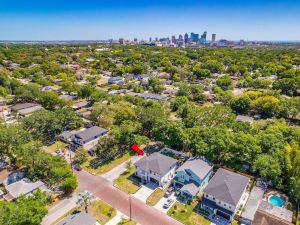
{"x": 192, "y": 177}
{"x": 88, "y": 138}
{"x": 224, "y": 194}
{"x": 156, "y": 168}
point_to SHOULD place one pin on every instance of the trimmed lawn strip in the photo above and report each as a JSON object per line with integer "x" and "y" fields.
{"x": 186, "y": 215}
{"x": 101, "y": 211}
{"x": 107, "y": 166}
{"x": 127, "y": 222}
{"x": 57, "y": 145}
{"x": 127, "y": 182}
{"x": 154, "y": 198}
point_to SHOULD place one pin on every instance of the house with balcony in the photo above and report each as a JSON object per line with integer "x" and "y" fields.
{"x": 192, "y": 177}
{"x": 89, "y": 137}
{"x": 224, "y": 195}
{"x": 156, "y": 168}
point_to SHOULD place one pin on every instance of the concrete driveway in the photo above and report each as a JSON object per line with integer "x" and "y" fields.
{"x": 160, "y": 204}
{"x": 118, "y": 170}
{"x": 145, "y": 191}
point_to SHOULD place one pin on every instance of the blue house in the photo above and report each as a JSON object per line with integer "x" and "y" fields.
{"x": 192, "y": 177}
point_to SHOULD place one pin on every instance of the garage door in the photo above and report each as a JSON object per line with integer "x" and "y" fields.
{"x": 153, "y": 180}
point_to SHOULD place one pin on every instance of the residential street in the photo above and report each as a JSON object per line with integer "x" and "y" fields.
{"x": 140, "y": 212}
{"x": 59, "y": 210}
{"x": 118, "y": 170}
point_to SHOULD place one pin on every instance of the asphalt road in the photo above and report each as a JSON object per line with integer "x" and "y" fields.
{"x": 140, "y": 212}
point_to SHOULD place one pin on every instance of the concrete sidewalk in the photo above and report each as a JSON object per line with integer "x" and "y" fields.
{"x": 59, "y": 210}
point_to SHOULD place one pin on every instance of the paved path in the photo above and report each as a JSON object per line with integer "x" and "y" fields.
{"x": 59, "y": 210}
{"x": 140, "y": 212}
{"x": 118, "y": 170}
{"x": 118, "y": 218}
{"x": 145, "y": 191}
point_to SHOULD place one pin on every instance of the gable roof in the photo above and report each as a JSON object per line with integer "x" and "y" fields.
{"x": 24, "y": 186}
{"x": 191, "y": 188}
{"x": 78, "y": 219}
{"x": 90, "y": 133}
{"x": 199, "y": 167}
{"x": 268, "y": 214}
{"x": 157, "y": 163}
{"x": 227, "y": 186}
{"x": 20, "y": 106}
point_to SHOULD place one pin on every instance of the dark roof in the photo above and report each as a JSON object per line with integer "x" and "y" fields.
{"x": 90, "y": 133}
{"x": 157, "y": 163}
{"x": 227, "y": 186}
{"x": 20, "y": 106}
{"x": 78, "y": 219}
{"x": 199, "y": 166}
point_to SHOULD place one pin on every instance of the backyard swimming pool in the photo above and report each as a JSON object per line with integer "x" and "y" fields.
{"x": 275, "y": 200}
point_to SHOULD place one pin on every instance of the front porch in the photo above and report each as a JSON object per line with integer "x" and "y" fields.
{"x": 215, "y": 213}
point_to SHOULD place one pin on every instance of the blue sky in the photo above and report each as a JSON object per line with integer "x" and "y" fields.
{"x": 98, "y": 19}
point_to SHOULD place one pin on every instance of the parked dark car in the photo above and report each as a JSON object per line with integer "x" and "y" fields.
{"x": 77, "y": 167}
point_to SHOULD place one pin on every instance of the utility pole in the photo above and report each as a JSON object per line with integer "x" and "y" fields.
{"x": 129, "y": 207}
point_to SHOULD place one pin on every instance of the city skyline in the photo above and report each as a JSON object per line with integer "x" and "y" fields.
{"x": 270, "y": 20}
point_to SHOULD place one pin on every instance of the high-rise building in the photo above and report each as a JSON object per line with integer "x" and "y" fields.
{"x": 173, "y": 39}
{"x": 186, "y": 38}
{"x": 213, "y": 38}
{"x": 194, "y": 37}
{"x": 203, "y": 38}
{"x": 135, "y": 40}
{"x": 121, "y": 41}
{"x": 150, "y": 39}
{"x": 180, "y": 37}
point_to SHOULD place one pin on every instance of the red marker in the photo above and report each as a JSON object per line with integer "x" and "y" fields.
{"x": 137, "y": 149}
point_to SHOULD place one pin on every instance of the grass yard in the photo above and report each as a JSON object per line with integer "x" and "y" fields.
{"x": 107, "y": 166}
{"x": 154, "y": 198}
{"x": 186, "y": 215}
{"x": 57, "y": 145}
{"x": 101, "y": 211}
{"x": 127, "y": 222}
{"x": 127, "y": 182}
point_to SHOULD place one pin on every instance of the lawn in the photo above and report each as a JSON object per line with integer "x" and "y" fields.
{"x": 57, "y": 145}
{"x": 127, "y": 222}
{"x": 154, "y": 198}
{"x": 101, "y": 211}
{"x": 127, "y": 182}
{"x": 107, "y": 166}
{"x": 186, "y": 215}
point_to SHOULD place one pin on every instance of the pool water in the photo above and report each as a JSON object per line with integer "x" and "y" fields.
{"x": 275, "y": 200}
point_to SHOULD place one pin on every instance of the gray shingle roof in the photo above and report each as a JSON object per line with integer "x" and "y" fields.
{"x": 25, "y": 187}
{"x": 78, "y": 219}
{"x": 191, "y": 188}
{"x": 227, "y": 186}
{"x": 157, "y": 163}
{"x": 18, "y": 107}
{"x": 91, "y": 132}
{"x": 200, "y": 167}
